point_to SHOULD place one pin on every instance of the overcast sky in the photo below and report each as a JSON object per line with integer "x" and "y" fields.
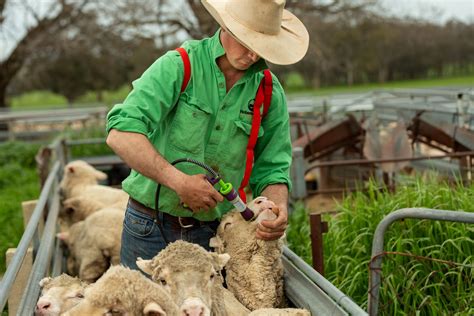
{"x": 434, "y": 10}
{"x": 438, "y": 10}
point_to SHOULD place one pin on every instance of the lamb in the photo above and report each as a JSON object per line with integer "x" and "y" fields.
{"x": 81, "y": 179}
{"x": 191, "y": 275}
{"x": 280, "y": 312}
{"x": 78, "y": 208}
{"x": 59, "y": 294}
{"x": 123, "y": 291}
{"x": 254, "y": 273}
{"x": 94, "y": 243}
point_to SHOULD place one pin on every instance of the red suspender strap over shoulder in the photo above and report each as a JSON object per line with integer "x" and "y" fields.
{"x": 264, "y": 96}
{"x": 187, "y": 67}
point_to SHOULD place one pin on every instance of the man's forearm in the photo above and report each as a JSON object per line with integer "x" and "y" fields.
{"x": 137, "y": 151}
{"x": 278, "y": 193}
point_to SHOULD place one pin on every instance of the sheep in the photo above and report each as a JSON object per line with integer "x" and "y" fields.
{"x": 94, "y": 243}
{"x": 59, "y": 294}
{"x": 81, "y": 179}
{"x": 280, "y": 312}
{"x": 254, "y": 273}
{"x": 78, "y": 208}
{"x": 192, "y": 277}
{"x": 123, "y": 291}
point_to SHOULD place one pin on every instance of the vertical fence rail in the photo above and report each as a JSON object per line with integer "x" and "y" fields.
{"x": 377, "y": 245}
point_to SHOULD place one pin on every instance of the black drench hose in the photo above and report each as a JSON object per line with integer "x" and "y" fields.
{"x": 226, "y": 189}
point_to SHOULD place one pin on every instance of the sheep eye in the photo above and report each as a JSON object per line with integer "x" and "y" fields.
{"x": 163, "y": 282}
{"x": 258, "y": 201}
{"x": 79, "y": 295}
{"x": 212, "y": 276}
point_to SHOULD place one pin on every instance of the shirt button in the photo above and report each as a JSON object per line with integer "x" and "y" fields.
{"x": 221, "y": 85}
{"x": 218, "y": 128}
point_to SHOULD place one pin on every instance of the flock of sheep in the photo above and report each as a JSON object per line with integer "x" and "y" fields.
{"x": 184, "y": 279}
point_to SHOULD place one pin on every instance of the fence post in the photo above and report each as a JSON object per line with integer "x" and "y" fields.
{"x": 21, "y": 280}
{"x": 297, "y": 174}
{"x": 318, "y": 227}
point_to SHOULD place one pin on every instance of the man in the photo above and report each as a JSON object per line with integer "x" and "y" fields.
{"x": 210, "y": 121}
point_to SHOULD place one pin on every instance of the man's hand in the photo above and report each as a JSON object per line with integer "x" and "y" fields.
{"x": 197, "y": 193}
{"x": 272, "y": 230}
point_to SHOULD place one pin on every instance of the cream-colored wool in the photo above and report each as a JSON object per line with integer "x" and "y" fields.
{"x": 254, "y": 273}
{"x": 79, "y": 208}
{"x": 81, "y": 179}
{"x": 187, "y": 271}
{"x": 94, "y": 243}
{"x": 59, "y": 294}
{"x": 123, "y": 291}
{"x": 280, "y": 312}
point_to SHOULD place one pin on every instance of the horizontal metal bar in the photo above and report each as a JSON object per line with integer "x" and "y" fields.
{"x": 14, "y": 267}
{"x": 336, "y": 294}
{"x": 367, "y": 162}
{"x": 89, "y": 141}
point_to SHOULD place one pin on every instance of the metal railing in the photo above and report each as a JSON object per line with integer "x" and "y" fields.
{"x": 47, "y": 197}
{"x": 377, "y": 245}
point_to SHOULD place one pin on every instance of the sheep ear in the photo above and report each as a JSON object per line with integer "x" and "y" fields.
{"x": 222, "y": 260}
{"x": 99, "y": 175}
{"x": 44, "y": 281}
{"x": 64, "y": 236}
{"x": 145, "y": 266}
{"x": 70, "y": 169}
{"x": 215, "y": 242}
{"x": 153, "y": 309}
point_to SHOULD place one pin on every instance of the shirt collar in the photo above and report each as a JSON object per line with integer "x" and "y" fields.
{"x": 217, "y": 51}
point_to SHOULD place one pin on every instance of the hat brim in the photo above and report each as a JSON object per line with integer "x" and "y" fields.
{"x": 285, "y": 48}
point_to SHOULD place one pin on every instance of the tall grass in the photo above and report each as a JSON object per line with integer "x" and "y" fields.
{"x": 410, "y": 285}
{"x": 18, "y": 182}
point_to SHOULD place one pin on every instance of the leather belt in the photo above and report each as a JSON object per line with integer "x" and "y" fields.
{"x": 183, "y": 222}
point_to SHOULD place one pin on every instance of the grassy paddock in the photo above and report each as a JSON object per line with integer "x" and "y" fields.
{"x": 410, "y": 285}
{"x": 18, "y": 182}
{"x": 295, "y": 84}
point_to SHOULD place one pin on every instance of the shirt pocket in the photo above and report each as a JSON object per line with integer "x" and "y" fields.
{"x": 189, "y": 127}
{"x": 240, "y": 137}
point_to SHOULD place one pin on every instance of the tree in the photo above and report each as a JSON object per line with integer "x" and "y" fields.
{"x": 60, "y": 15}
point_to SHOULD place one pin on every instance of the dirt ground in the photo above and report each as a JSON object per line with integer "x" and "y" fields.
{"x": 322, "y": 203}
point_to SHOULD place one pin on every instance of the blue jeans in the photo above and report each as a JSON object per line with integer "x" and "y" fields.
{"x": 141, "y": 236}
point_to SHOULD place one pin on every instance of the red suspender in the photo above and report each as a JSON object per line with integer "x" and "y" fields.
{"x": 187, "y": 67}
{"x": 264, "y": 96}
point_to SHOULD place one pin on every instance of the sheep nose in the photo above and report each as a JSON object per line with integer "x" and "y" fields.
{"x": 193, "y": 311}
{"x": 42, "y": 306}
{"x": 193, "y": 307}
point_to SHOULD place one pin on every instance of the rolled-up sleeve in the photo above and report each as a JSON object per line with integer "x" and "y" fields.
{"x": 152, "y": 97}
{"x": 273, "y": 150}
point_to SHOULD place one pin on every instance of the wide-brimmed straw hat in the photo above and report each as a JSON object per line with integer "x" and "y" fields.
{"x": 263, "y": 26}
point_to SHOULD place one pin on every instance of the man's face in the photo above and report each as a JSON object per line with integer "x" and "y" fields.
{"x": 239, "y": 56}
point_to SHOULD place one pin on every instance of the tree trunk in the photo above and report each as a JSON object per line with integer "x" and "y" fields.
{"x": 3, "y": 104}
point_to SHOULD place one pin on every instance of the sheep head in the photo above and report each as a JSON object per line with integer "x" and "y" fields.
{"x": 188, "y": 273}
{"x": 235, "y": 227}
{"x": 123, "y": 291}
{"x": 79, "y": 171}
{"x": 59, "y": 294}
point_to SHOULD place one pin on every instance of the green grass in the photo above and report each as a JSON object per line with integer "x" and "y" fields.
{"x": 295, "y": 85}
{"x": 465, "y": 81}
{"x": 18, "y": 182}
{"x": 49, "y": 100}
{"x": 410, "y": 285}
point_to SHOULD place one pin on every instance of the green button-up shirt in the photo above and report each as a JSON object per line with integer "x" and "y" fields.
{"x": 205, "y": 123}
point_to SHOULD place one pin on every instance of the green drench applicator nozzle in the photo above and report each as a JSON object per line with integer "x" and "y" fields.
{"x": 232, "y": 196}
